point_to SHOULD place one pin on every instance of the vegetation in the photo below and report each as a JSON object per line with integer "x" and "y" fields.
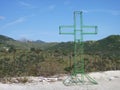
{"x": 40, "y": 58}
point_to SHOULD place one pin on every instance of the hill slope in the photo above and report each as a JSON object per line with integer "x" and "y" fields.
{"x": 5, "y": 38}
{"x": 28, "y": 58}
{"x": 109, "y": 46}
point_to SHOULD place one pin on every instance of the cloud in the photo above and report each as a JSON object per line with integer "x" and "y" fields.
{"x": 67, "y": 2}
{"x": 112, "y": 12}
{"x": 19, "y": 20}
{"x": 2, "y": 17}
{"x": 51, "y": 7}
{"x": 85, "y": 11}
{"x": 26, "y": 4}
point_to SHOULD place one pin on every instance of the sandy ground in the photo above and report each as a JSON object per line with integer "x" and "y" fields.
{"x": 109, "y": 80}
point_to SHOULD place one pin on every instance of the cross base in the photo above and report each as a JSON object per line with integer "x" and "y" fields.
{"x": 83, "y": 79}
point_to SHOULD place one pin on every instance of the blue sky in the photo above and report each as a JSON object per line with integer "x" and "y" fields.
{"x": 40, "y": 19}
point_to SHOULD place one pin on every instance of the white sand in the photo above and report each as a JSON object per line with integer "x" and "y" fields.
{"x": 109, "y": 80}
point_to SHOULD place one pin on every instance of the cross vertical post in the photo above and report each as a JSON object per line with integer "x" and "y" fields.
{"x": 79, "y": 67}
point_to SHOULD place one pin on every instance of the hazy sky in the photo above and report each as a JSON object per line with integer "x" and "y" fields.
{"x": 40, "y": 19}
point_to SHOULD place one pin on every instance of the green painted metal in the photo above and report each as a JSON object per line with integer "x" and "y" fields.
{"x": 79, "y": 67}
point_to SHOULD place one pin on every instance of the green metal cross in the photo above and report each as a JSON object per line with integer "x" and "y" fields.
{"x": 79, "y": 66}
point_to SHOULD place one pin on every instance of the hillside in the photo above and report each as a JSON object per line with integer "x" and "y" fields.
{"x": 103, "y": 54}
{"x": 109, "y": 46}
{"x": 32, "y": 58}
{"x": 5, "y": 38}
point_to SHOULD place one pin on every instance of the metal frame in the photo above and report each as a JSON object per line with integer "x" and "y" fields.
{"x": 79, "y": 67}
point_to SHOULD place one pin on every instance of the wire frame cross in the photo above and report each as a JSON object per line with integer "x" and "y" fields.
{"x": 79, "y": 66}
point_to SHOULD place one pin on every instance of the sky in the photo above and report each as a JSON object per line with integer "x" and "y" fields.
{"x": 40, "y": 19}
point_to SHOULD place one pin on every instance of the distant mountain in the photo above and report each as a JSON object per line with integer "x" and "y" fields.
{"x": 38, "y": 41}
{"x": 23, "y": 43}
{"x": 27, "y": 40}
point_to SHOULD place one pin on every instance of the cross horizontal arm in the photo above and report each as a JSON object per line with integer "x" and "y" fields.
{"x": 95, "y": 27}
{"x": 63, "y": 27}
{"x": 89, "y": 26}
